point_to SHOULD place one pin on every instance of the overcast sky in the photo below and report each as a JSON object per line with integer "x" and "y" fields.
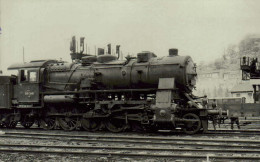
{"x": 201, "y": 29}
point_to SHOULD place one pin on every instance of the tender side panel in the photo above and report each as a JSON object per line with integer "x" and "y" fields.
{"x": 5, "y": 92}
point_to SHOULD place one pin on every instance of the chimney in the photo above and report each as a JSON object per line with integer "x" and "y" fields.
{"x": 73, "y": 45}
{"x": 109, "y": 49}
{"x": 173, "y": 52}
{"x": 118, "y": 51}
{"x": 82, "y": 44}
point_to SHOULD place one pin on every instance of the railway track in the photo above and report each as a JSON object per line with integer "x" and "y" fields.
{"x": 239, "y": 133}
{"x": 150, "y": 152}
{"x": 163, "y": 136}
{"x": 178, "y": 143}
{"x": 86, "y": 151}
{"x": 126, "y": 137}
{"x": 182, "y": 141}
{"x": 211, "y": 131}
{"x": 133, "y": 146}
{"x": 139, "y": 155}
{"x": 127, "y": 148}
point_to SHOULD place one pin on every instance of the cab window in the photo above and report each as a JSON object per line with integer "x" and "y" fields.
{"x": 24, "y": 75}
{"x": 28, "y": 76}
{"x": 32, "y": 76}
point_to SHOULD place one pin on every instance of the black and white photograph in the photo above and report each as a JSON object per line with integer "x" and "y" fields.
{"x": 129, "y": 80}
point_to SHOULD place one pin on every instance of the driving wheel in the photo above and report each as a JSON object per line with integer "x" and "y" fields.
{"x": 90, "y": 124}
{"x": 48, "y": 123}
{"x": 10, "y": 122}
{"x": 68, "y": 123}
{"x": 27, "y": 121}
{"x": 115, "y": 125}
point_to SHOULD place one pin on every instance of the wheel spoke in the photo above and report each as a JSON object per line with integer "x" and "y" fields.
{"x": 193, "y": 126}
{"x": 67, "y": 123}
{"x": 48, "y": 123}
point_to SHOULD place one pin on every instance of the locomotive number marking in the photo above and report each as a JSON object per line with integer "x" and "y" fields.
{"x": 28, "y": 93}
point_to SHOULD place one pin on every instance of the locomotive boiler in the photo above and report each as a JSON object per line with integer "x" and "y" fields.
{"x": 94, "y": 92}
{"x": 110, "y": 73}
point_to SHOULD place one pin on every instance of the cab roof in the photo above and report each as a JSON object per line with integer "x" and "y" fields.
{"x": 32, "y": 64}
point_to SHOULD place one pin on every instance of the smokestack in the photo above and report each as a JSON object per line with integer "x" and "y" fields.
{"x": 118, "y": 51}
{"x": 82, "y": 44}
{"x": 73, "y": 45}
{"x": 109, "y": 49}
{"x": 173, "y": 52}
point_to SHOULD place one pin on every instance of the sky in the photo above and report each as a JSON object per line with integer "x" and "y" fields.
{"x": 201, "y": 28}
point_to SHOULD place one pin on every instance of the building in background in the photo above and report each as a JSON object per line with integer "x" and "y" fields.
{"x": 244, "y": 90}
{"x": 218, "y": 83}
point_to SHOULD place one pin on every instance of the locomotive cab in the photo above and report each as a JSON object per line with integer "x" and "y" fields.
{"x": 27, "y": 89}
{"x": 29, "y": 81}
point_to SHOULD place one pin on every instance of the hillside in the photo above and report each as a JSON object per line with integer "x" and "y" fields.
{"x": 230, "y": 59}
{"x": 217, "y": 78}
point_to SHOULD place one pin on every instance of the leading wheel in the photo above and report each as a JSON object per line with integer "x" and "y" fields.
{"x": 90, "y": 124}
{"x": 115, "y": 125}
{"x": 193, "y": 124}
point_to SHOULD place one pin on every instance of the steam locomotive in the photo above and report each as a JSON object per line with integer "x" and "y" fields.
{"x": 144, "y": 92}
